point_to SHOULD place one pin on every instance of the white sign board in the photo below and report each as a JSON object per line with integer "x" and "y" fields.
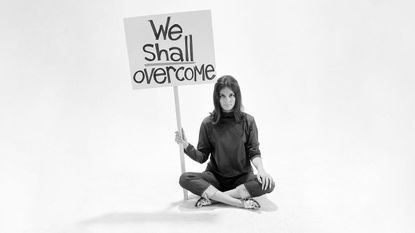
{"x": 170, "y": 49}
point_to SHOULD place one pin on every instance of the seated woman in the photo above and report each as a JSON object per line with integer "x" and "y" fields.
{"x": 229, "y": 137}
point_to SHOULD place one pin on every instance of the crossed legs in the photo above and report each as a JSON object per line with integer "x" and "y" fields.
{"x": 208, "y": 186}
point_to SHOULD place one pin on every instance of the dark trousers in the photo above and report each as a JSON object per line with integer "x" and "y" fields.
{"x": 197, "y": 183}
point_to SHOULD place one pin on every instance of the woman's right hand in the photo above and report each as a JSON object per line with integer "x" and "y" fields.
{"x": 181, "y": 138}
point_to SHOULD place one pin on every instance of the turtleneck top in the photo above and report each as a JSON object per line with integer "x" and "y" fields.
{"x": 229, "y": 144}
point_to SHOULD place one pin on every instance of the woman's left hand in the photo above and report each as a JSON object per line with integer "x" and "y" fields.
{"x": 265, "y": 179}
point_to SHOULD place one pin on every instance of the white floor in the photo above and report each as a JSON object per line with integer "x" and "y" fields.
{"x": 116, "y": 201}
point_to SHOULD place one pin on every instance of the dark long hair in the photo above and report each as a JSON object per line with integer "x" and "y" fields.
{"x": 231, "y": 83}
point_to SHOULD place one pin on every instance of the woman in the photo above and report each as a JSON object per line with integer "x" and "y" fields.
{"x": 230, "y": 138}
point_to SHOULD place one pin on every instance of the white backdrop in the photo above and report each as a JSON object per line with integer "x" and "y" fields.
{"x": 330, "y": 84}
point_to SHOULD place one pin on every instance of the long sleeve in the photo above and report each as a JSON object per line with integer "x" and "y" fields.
{"x": 204, "y": 147}
{"x": 252, "y": 145}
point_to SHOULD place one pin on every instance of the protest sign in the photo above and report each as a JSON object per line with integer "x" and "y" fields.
{"x": 170, "y": 49}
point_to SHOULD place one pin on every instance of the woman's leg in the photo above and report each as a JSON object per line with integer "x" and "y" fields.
{"x": 206, "y": 185}
{"x": 248, "y": 186}
{"x": 197, "y": 183}
{"x": 239, "y": 192}
{"x": 214, "y": 194}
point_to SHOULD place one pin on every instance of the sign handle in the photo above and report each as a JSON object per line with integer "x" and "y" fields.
{"x": 179, "y": 129}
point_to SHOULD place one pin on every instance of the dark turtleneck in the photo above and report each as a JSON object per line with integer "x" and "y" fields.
{"x": 230, "y": 144}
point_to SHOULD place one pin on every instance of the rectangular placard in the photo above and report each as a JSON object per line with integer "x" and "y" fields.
{"x": 170, "y": 49}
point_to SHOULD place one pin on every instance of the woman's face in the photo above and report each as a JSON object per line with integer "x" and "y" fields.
{"x": 227, "y": 99}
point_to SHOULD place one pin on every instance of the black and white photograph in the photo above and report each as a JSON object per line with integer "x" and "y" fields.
{"x": 207, "y": 116}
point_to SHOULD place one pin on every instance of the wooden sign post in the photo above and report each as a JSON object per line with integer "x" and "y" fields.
{"x": 171, "y": 50}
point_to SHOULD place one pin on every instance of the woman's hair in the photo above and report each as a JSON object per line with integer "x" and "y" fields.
{"x": 231, "y": 83}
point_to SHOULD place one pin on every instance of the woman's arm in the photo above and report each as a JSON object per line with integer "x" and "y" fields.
{"x": 255, "y": 154}
{"x": 200, "y": 155}
{"x": 263, "y": 177}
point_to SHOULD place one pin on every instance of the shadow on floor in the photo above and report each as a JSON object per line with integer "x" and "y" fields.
{"x": 147, "y": 217}
{"x": 176, "y": 212}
